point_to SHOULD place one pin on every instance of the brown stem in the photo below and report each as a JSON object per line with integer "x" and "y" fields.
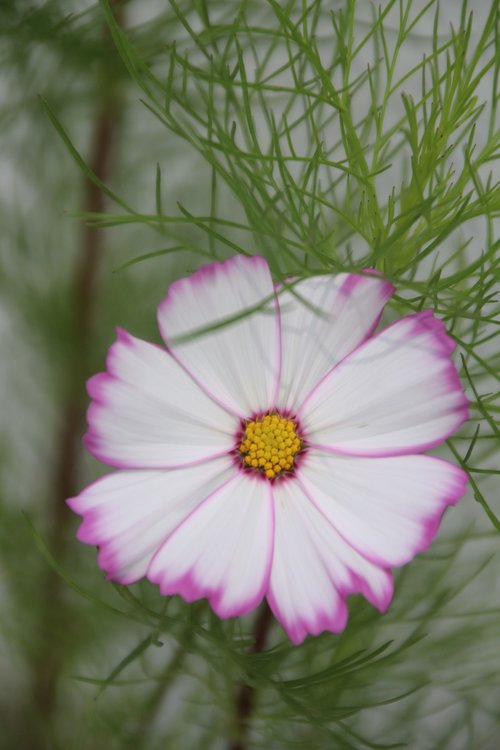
{"x": 73, "y": 417}
{"x": 245, "y": 697}
{"x": 47, "y": 667}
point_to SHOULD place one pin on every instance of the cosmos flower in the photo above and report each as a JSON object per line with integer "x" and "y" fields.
{"x": 274, "y": 448}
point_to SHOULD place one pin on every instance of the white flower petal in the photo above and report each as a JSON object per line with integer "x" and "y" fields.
{"x": 148, "y": 413}
{"x": 323, "y": 319}
{"x": 237, "y": 363}
{"x": 129, "y": 514}
{"x": 314, "y": 569}
{"x": 398, "y": 393}
{"x": 388, "y": 509}
{"x": 223, "y": 551}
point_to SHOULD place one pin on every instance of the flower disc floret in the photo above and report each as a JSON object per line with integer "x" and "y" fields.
{"x": 270, "y": 444}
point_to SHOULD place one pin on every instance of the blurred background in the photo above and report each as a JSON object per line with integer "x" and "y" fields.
{"x": 84, "y": 664}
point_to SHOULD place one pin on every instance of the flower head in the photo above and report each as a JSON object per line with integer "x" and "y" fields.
{"x": 274, "y": 449}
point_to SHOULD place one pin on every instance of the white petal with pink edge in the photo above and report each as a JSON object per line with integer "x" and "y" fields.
{"x": 322, "y": 320}
{"x": 388, "y": 509}
{"x": 223, "y": 550}
{"x": 129, "y": 514}
{"x": 398, "y": 393}
{"x": 314, "y": 569}
{"x": 238, "y": 362}
{"x": 148, "y": 413}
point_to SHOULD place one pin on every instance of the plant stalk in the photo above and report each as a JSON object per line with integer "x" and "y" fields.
{"x": 246, "y": 694}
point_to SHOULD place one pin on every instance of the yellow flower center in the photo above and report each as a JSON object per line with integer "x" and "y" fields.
{"x": 270, "y": 444}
